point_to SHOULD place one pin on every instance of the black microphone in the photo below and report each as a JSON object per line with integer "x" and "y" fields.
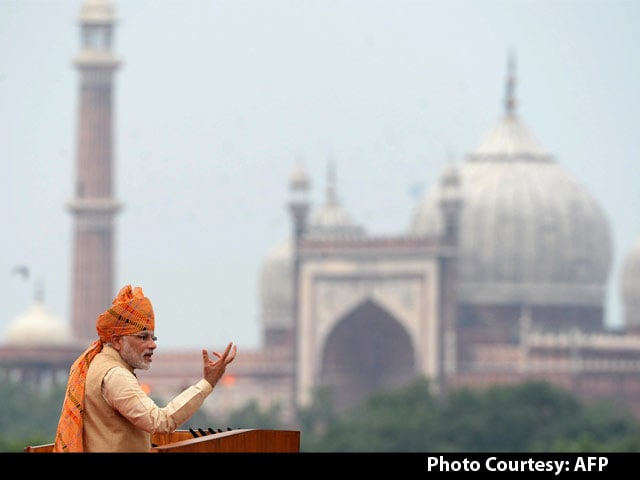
{"x": 195, "y": 435}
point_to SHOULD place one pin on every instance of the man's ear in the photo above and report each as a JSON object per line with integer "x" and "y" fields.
{"x": 116, "y": 342}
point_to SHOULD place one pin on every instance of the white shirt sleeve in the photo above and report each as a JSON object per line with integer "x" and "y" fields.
{"x": 122, "y": 391}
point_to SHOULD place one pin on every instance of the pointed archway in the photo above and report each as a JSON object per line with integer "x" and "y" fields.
{"x": 368, "y": 350}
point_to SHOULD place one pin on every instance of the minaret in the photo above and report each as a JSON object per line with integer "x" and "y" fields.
{"x": 93, "y": 206}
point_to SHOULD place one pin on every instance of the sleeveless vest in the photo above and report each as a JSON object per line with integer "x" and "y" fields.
{"x": 105, "y": 430}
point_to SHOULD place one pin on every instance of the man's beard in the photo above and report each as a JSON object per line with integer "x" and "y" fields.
{"x": 136, "y": 360}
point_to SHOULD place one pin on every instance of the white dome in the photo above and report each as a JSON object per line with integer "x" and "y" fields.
{"x": 630, "y": 286}
{"x": 331, "y": 220}
{"x": 528, "y": 232}
{"x": 37, "y": 326}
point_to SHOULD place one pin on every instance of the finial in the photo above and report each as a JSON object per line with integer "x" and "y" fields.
{"x": 39, "y": 293}
{"x": 510, "y": 100}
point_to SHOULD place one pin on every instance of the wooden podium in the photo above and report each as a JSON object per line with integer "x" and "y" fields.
{"x": 231, "y": 441}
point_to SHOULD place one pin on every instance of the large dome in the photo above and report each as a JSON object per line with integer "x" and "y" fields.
{"x": 528, "y": 231}
{"x": 630, "y": 287}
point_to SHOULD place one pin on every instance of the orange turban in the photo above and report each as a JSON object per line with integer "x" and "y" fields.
{"x": 130, "y": 312}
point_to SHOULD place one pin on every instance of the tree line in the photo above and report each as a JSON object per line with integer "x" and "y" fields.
{"x": 528, "y": 417}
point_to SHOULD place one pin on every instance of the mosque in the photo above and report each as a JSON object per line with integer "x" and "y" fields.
{"x": 499, "y": 277}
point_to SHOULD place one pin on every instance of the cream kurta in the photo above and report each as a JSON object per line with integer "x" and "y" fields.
{"x": 119, "y": 417}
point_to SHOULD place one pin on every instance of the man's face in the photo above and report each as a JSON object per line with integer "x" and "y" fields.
{"x": 138, "y": 348}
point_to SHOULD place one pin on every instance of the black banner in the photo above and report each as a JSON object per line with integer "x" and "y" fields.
{"x": 413, "y": 465}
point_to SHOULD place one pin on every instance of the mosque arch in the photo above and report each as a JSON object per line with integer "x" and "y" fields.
{"x": 367, "y": 350}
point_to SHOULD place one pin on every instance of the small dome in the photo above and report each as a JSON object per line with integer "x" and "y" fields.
{"x": 298, "y": 180}
{"x": 37, "y": 326}
{"x": 97, "y": 12}
{"x": 630, "y": 287}
{"x": 331, "y": 220}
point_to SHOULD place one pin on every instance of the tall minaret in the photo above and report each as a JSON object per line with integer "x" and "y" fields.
{"x": 93, "y": 207}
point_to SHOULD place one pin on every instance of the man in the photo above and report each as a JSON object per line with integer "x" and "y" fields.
{"x": 105, "y": 408}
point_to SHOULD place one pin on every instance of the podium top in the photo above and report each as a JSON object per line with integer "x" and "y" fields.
{"x": 234, "y": 441}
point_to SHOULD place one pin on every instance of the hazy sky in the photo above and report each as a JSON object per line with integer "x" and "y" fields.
{"x": 216, "y": 100}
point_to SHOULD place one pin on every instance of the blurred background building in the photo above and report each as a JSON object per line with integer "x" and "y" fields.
{"x": 500, "y": 277}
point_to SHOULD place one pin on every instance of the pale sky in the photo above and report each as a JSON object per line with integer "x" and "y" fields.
{"x": 217, "y": 99}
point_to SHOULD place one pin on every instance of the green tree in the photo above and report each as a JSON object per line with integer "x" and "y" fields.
{"x": 528, "y": 417}
{"x": 28, "y": 414}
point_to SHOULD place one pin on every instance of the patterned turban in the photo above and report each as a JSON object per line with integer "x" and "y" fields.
{"x": 130, "y": 312}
